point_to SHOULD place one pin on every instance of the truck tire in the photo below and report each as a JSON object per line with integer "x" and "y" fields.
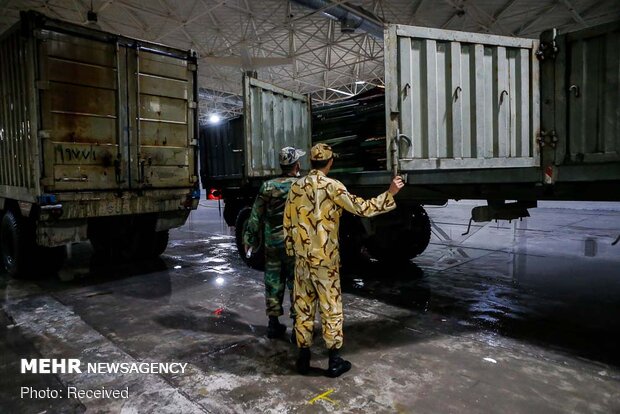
{"x": 401, "y": 235}
{"x": 350, "y": 240}
{"x": 17, "y": 245}
{"x": 53, "y": 259}
{"x": 257, "y": 260}
{"x": 231, "y": 212}
{"x": 153, "y": 244}
{"x": 160, "y": 242}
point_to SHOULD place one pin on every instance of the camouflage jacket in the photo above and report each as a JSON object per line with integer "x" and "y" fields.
{"x": 266, "y": 219}
{"x": 312, "y": 216}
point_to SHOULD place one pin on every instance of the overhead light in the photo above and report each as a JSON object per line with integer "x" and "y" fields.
{"x": 342, "y": 92}
{"x": 360, "y": 82}
{"x": 219, "y": 281}
{"x": 214, "y": 119}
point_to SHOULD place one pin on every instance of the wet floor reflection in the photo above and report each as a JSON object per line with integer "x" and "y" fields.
{"x": 569, "y": 305}
{"x": 527, "y": 280}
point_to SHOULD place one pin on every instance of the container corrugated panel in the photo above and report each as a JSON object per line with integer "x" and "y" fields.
{"x": 593, "y": 94}
{"x": 16, "y": 130}
{"x": 166, "y": 107}
{"x": 222, "y": 149}
{"x": 274, "y": 118}
{"x": 116, "y": 113}
{"x": 465, "y": 100}
{"x": 79, "y": 112}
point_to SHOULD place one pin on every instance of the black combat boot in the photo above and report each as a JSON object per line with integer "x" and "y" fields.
{"x": 337, "y": 365}
{"x": 275, "y": 329}
{"x": 303, "y": 361}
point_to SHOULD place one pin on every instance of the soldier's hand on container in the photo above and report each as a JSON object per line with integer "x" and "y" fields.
{"x": 396, "y": 184}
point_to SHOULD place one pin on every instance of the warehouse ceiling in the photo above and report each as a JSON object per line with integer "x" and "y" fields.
{"x": 323, "y": 61}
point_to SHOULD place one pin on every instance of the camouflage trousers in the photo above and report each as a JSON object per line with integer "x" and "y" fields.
{"x": 279, "y": 274}
{"x": 322, "y": 285}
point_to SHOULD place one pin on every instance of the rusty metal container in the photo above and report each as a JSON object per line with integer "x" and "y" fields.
{"x": 97, "y": 123}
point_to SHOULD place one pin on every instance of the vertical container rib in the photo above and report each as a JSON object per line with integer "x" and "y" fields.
{"x": 406, "y": 81}
{"x": 430, "y": 89}
{"x": 478, "y": 101}
{"x": 455, "y": 90}
{"x": 522, "y": 82}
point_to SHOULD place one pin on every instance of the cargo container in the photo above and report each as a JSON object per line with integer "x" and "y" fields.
{"x": 97, "y": 142}
{"x": 464, "y": 116}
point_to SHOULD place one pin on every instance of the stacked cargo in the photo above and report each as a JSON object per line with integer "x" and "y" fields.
{"x": 355, "y": 129}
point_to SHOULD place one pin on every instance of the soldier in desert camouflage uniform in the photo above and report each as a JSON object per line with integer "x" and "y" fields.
{"x": 265, "y": 223}
{"x": 311, "y": 220}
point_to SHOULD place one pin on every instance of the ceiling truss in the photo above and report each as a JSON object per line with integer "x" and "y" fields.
{"x": 328, "y": 64}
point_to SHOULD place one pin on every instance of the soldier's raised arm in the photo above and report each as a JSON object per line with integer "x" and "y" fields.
{"x": 382, "y": 203}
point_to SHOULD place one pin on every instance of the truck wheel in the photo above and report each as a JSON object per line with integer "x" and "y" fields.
{"x": 153, "y": 244}
{"x": 257, "y": 260}
{"x": 350, "y": 240}
{"x": 401, "y": 235}
{"x": 52, "y": 259}
{"x": 231, "y": 212}
{"x": 160, "y": 242}
{"x": 17, "y": 245}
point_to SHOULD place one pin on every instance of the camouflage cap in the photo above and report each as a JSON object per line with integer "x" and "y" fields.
{"x": 322, "y": 152}
{"x": 290, "y": 155}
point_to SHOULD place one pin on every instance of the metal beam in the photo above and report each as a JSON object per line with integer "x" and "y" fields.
{"x": 526, "y": 26}
{"x": 576, "y": 16}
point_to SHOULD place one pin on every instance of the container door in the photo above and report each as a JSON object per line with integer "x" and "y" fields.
{"x": 162, "y": 117}
{"x": 462, "y": 100}
{"x": 82, "y": 140}
{"x": 592, "y": 95}
{"x": 274, "y": 118}
{"x": 221, "y": 155}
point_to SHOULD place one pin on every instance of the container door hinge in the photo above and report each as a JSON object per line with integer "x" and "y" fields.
{"x": 547, "y": 138}
{"x": 547, "y": 50}
{"x": 192, "y": 105}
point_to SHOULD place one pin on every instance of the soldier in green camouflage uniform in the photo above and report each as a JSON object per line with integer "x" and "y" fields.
{"x": 266, "y": 220}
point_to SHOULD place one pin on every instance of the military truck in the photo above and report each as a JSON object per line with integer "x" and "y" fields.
{"x": 464, "y": 116}
{"x": 97, "y": 142}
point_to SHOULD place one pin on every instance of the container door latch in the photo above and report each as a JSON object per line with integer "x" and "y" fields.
{"x": 395, "y": 150}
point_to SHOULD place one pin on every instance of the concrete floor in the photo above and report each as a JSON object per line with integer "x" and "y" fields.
{"x": 516, "y": 317}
